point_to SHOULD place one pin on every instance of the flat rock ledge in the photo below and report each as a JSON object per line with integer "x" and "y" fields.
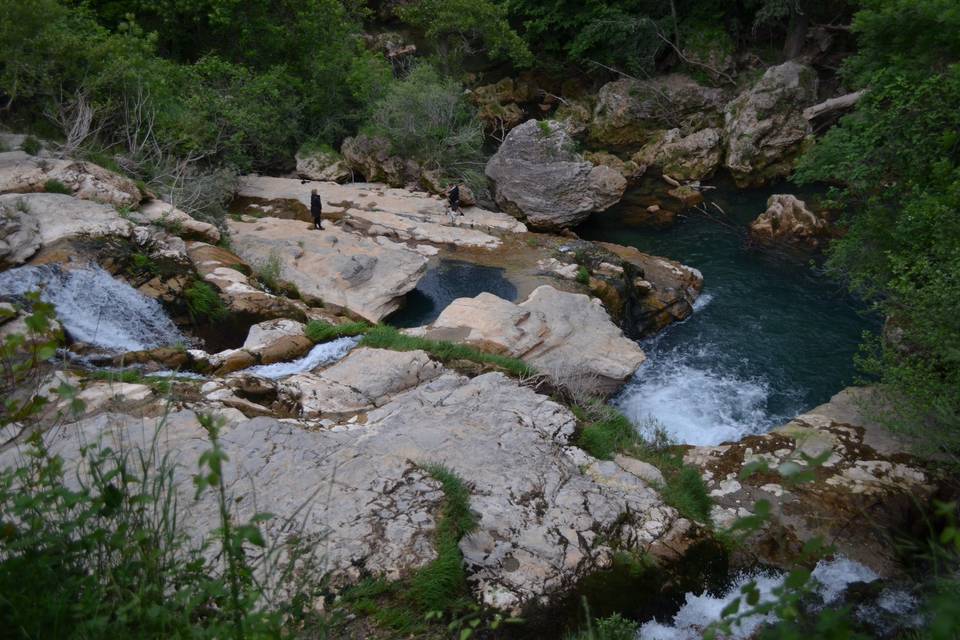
{"x": 340, "y": 269}
{"x": 567, "y": 336}
{"x": 548, "y": 512}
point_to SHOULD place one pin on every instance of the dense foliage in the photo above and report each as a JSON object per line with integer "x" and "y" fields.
{"x": 898, "y": 160}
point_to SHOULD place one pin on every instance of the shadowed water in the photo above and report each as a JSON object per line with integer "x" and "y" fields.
{"x": 444, "y": 283}
{"x": 770, "y": 338}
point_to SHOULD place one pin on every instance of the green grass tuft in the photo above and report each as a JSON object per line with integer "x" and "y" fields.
{"x": 686, "y": 492}
{"x": 583, "y": 275}
{"x": 320, "y": 331}
{"x": 31, "y": 145}
{"x": 55, "y": 186}
{"x": 385, "y": 337}
{"x": 609, "y": 433}
{"x": 203, "y": 303}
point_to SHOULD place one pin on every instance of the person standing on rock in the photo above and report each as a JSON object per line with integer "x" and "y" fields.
{"x": 316, "y": 209}
{"x": 453, "y": 195}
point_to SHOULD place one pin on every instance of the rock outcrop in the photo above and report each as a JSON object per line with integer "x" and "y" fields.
{"x": 22, "y": 173}
{"x": 277, "y": 340}
{"x": 538, "y": 177}
{"x": 764, "y": 126}
{"x": 371, "y": 158}
{"x": 683, "y": 157}
{"x": 178, "y": 222}
{"x": 567, "y": 336}
{"x": 324, "y": 165}
{"x": 629, "y": 112}
{"x": 867, "y": 486}
{"x": 41, "y": 220}
{"x": 548, "y": 513}
{"x": 787, "y": 220}
{"x": 339, "y": 269}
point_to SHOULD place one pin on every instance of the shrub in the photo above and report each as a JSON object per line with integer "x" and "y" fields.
{"x": 203, "y": 303}
{"x": 269, "y": 271}
{"x": 55, "y": 186}
{"x": 320, "y": 331}
{"x": 31, "y": 146}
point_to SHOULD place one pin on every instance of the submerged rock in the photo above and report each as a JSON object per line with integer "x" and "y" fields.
{"x": 538, "y": 176}
{"x": 764, "y": 126}
{"x": 788, "y": 220}
{"x": 566, "y": 336}
{"x": 337, "y": 268}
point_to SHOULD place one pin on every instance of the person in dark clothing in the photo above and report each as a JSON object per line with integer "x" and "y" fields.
{"x": 316, "y": 209}
{"x": 453, "y": 195}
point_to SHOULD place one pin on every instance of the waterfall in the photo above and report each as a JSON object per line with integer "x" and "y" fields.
{"x": 96, "y": 308}
{"x": 325, "y": 353}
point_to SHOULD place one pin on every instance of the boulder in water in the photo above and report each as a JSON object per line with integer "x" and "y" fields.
{"x": 764, "y": 126}
{"x": 684, "y": 157}
{"x": 539, "y": 177}
{"x": 787, "y": 220}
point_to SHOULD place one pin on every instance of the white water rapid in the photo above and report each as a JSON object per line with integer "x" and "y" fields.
{"x": 832, "y": 579}
{"x": 96, "y": 308}
{"x": 325, "y": 353}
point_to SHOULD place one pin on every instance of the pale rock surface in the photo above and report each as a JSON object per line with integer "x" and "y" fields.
{"x": 340, "y": 269}
{"x": 168, "y": 216}
{"x": 371, "y": 508}
{"x": 537, "y": 176}
{"x": 567, "y": 336}
{"x": 22, "y": 173}
{"x": 277, "y": 340}
{"x": 788, "y": 220}
{"x": 19, "y": 235}
{"x": 322, "y": 165}
{"x": 764, "y": 126}
{"x": 56, "y": 217}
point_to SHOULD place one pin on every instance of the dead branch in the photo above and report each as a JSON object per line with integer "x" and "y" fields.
{"x": 833, "y": 104}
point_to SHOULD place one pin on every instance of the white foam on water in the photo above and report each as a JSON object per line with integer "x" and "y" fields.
{"x": 700, "y": 610}
{"x": 702, "y": 301}
{"x": 96, "y": 308}
{"x": 695, "y": 405}
{"x": 324, "y": 353}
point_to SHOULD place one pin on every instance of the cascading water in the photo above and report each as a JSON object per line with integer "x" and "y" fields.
{"x": 891, "y": 610}
{"x": 325, "y": 353}
{"x": 96, "y": 308}
{"x": 769, "y": 338}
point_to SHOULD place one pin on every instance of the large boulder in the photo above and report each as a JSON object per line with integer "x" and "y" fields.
{"x": 764, "y": 126}
{"x": 787, "y": 220}
{"x": 683, "y": 157}
{"x": 340, "y": 269}
{"x": 866, "y": 471}
{"x": 277, "y": 340}
{"x": 22, "y": 173}
{"x": 629, "y": 112}
{"x": 567, "y": 336}
{"x": 539, "y": 177}
{"x": 19, "y": 234}
{"x": 41, "y": 220}
{"x": 371, "y": 158}
{"x": 548, "y": 514}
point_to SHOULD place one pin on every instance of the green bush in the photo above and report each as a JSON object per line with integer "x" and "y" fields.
{"x": 31, "y": 146}
{"x": 319, "y": 331}
{"x": 204, "y": 303}
{"x": 55, "y": 186}
{"x": 583, "y": 275}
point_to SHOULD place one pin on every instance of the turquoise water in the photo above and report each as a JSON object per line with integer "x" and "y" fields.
{"x": 771, "y": 336}
{"x": 444, "y": 283}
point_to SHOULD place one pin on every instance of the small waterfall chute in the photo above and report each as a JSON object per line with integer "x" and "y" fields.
{"x": 322, "y": 354}
{"x": 96, "y": 308}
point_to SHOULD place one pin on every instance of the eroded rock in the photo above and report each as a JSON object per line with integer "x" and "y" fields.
{"x": 22, "y": 173}
{"x": 787, "y": 220}
{"x": 50, "y": 218}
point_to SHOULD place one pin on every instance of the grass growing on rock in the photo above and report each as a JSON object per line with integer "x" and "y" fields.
{"x": 320, "y": 331}
{"x": 203, "y": 303}
{"x": 385, "y": 337}
{"x": 55, "y": 186}
{"x": 604, "y": 432}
